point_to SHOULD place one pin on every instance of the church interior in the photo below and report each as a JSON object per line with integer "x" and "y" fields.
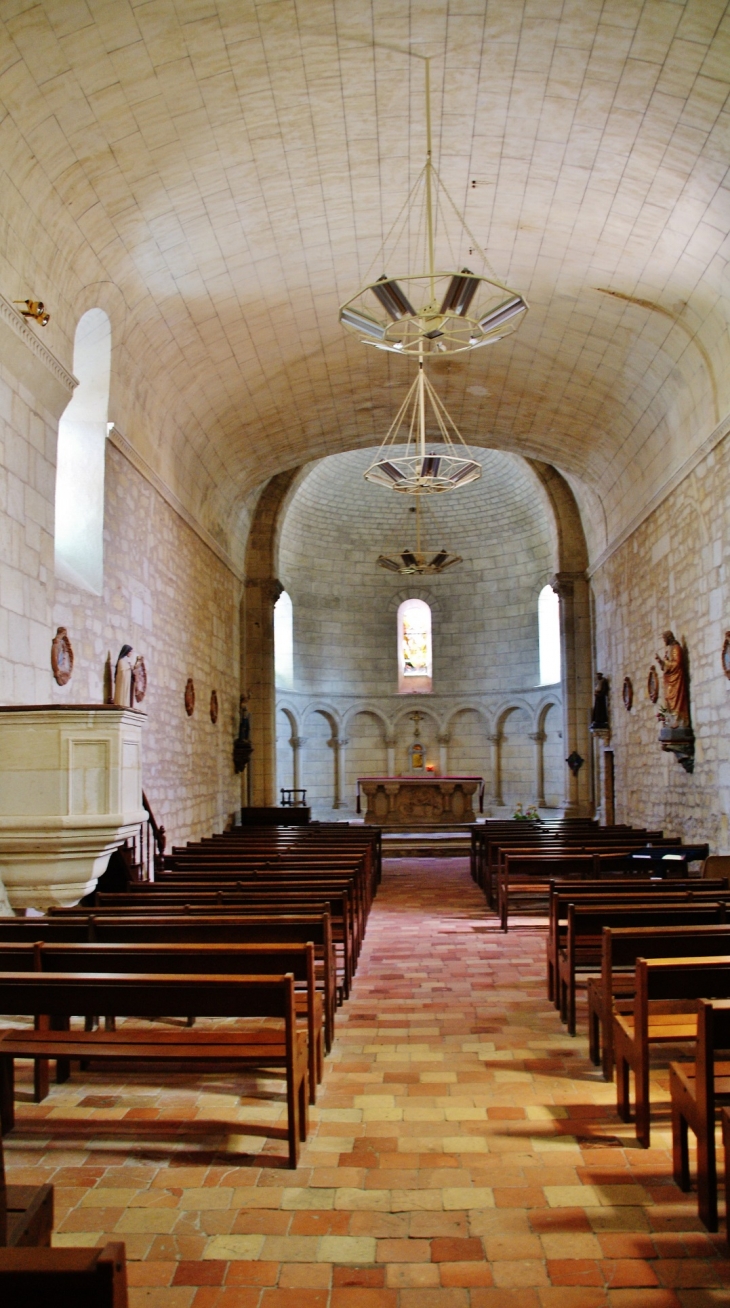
{"x": 365, "y": 653}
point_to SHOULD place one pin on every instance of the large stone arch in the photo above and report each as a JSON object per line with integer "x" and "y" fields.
{"x": 262, "y": 589}
{"x": 572, "y": 586}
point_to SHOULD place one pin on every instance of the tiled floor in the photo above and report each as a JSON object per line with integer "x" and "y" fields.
{"x": 464, "y": 1151}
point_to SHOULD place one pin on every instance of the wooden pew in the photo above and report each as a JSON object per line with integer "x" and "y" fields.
{"x": 698, "y": 1089}
{"x": 725, "y": 1120}
{"x": 584, "y": 937}
{"x": 175, "y": 959}
{"x": 63, "y": 995}
{"x": 64, "y": 1278}
{"x": 237, "y": 904}
{"x": 664, "y": 1012}
{"x": 26, "y": 1213}
{"x": 621, "y": 947}
{"x": 617, "y": 889}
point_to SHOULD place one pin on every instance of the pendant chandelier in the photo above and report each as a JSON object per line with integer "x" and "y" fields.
{"x": 421, "y": 560}
{"x": 427, "y": 467}
{"x": 422, "y": 314}
{"x": 433, "y": 311}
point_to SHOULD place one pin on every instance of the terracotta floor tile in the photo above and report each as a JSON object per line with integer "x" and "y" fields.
{"x": 449, "y": 1034}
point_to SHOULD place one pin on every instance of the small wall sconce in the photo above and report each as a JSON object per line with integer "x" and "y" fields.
{"x": 35, "y": 309}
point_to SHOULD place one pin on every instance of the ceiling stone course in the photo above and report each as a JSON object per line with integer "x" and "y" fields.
{"x": 233, "y": 167}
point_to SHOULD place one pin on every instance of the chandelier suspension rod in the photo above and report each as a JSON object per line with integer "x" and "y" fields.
{"x": 429, "y": 181}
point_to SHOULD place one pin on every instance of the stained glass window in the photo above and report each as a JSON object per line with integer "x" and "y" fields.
{"x": 414, "y": 647}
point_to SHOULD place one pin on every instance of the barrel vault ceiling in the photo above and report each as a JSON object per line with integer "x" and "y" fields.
{"x": 219, "y": 174}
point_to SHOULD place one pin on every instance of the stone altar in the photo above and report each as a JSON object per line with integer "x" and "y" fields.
{"x": 422, "y": 801}
{"x": 70, "y": 793}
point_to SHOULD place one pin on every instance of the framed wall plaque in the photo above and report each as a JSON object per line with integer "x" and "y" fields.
{"x": 725, "y": 656}
{"x": 139, "y": 680}
{"x": 189, "y": 697}
{"x": 652, "y": 684}
{"x": 627, "y": 694}
{"x": 62, "y": 657}
{"x": 213, "y": 707}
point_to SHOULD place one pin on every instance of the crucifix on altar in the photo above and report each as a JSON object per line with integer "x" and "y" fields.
{"x": 416, "y": 752}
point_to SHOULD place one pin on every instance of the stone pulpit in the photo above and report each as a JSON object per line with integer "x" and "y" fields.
{"x": 70, "y": 793}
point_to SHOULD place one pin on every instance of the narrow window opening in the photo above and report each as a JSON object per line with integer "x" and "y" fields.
{"x": 415, "y": 663}
{"x": 284, "y": 642}
{"x": 82, "y": 432}
{"x": 548, "y": 620}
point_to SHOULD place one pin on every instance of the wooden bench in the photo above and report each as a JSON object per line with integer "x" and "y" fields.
{"x": 582, "y": 952}
{"x": 26, "y": 1213}
{"x": 725, "y": 1121}
{"x": 698, "y": 1089}
{"x": 621, "y": 947}
{"x": 235, "y": 904}
{"x": 64, "y": 1278}
{"x": 60, "y": 996}
{"x": 81, "y": 927}
{"x": 617, "y": 890}
{"x": 664, "y": 1012}
{"x": 180, "y": 958}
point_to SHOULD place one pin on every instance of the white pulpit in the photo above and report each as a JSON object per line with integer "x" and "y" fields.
{"x": 70, "y": 793}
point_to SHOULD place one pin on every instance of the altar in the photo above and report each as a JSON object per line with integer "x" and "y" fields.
{"x": 419, "y": 801}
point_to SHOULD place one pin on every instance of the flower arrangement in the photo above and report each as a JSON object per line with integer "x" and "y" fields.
{"x": 526, "y": 815}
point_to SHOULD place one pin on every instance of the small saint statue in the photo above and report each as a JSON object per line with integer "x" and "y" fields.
{"x": 674, "y": 677}
{"x": 599, "y": 716}
{"x": 242, "y": 747}
{"x": 124, "y": 677}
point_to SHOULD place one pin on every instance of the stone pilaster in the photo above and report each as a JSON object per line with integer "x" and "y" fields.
{"x": 259, "y": 684}
{"x": 575, "y": 651}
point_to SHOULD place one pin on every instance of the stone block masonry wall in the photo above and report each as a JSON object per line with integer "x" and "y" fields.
{"x": 27, "y": 485}
{"x": 672, "y": 572}
{"x": 167, "y": 595}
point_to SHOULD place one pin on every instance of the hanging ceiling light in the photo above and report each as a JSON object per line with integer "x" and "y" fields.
{"x": 431, "y": 311}
{"x": 421, "y": 561}
{"x": 440, "y": 463}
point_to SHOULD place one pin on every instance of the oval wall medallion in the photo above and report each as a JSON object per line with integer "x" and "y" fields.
{"x": 189, "y": 697}
{"x": 139, "y": 680}
{"x": 628, "y": 694}
{"x": 652, "y": 684}
{"x": 62, "y": 657}
{"x": 213, "y": 707}
{"x": 725, "y": 656}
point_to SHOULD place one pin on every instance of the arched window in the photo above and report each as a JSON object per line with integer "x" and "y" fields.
{"x": 548, "y": 621}
{"x": 284, "y": 642}
{"x": 82, "y": 431}
{"x": 414, "y": 647}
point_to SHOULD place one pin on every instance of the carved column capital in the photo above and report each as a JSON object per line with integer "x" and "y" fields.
{"x": 443, "y": 737}
{"x": 296, "y": 742}
{"x": 563, "y": 583}
{"x": 269, "y": 587}
{"x": 539, "y": 737}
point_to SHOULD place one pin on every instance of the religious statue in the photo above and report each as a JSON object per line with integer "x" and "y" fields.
{"x": 242, "y": 747}
{"x": 599, "y": 716}
{"x": 674, "y": 677}
{"x": 124, "y": 678}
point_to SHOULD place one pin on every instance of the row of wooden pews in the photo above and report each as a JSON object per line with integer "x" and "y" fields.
{"x": 262, "y": 923}
{"x": 515, "y": 862}
{"x": 654, "y": 956}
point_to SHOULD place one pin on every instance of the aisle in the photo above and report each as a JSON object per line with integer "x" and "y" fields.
{"x": 465, "y": 1153}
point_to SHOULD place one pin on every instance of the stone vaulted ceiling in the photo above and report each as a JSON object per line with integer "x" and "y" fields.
{"x": 219, "y": 175}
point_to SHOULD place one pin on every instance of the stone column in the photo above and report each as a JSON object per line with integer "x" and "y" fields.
{"x": 539, "y": 738}
{"x": 390, "y": 755}
{"x": 575, "y": 652}
{"x": 443, "y": 739}
{"x": 338, "y": 744}
{"x": 496, "y": 743}
{"x": 260, "y": 598}
{"x": 297, "y": 743}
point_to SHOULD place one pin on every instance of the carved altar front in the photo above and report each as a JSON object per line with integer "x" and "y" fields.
{"x": 423, "y": 801}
